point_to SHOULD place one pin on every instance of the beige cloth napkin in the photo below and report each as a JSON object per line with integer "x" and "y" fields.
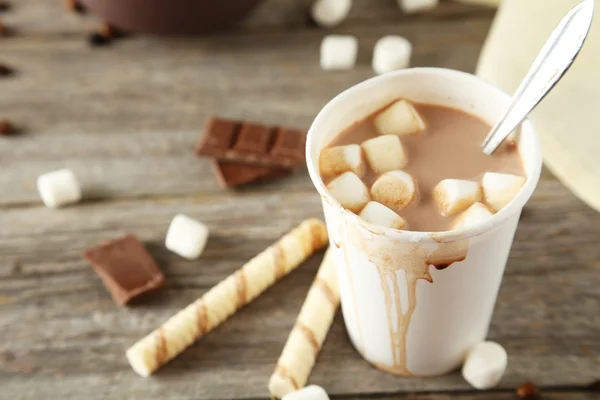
{"x": 569, "y": 118}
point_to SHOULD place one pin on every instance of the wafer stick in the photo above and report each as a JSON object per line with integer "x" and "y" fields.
{"x": 304, "y": 343}
{"x": 224, "y": 299}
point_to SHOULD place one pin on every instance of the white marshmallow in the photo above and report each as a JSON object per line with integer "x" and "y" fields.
{"x": 485, "y": 365}
{"x": 400, "y": 119}
{"x": 474, "y": 215}
{"x": 350, "y": 191}
{"x": 385, "y": 153}
{"x": 339, "y": 159}
{"x": 329, "y": 13}
{"x": 186, "y": 237}
{"x": 312, "y": 392}
{"x": 499, "y": 189}
{"x": 58, "y": 188}
{"x": 391, "y": 53}
{"x": 411, "y": 6}
{"x": 379, "y": 214}
{"x": 455, "y": 195}
{"x": 338, "y": 52}
{"x": 394, "y": 189}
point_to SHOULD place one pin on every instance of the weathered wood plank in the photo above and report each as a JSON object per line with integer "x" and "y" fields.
{"x": 126, "y": 118}
{"x": 504, "y": 395}
{"x": 59, "y": 320}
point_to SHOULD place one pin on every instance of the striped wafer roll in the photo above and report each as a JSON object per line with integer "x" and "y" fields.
{"x": 224, "y": 299}
{"x": 304, "y": 343}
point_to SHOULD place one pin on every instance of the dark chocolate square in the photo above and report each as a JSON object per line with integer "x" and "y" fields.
{"x": 254, "y": 139}
{"x": 126, "y": 268}
{"x": 290, "y": 145}
{"x": 220, "y": 135}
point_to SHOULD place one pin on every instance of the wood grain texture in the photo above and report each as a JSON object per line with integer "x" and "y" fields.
{"x": 126, "y": 119}
{"x": 139, "y": 106}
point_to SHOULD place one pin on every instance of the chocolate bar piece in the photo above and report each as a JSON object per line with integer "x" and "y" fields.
{"x": 252, "y": 143}
{"x": 232, "y": 173}
{"x": 126, "y": 268}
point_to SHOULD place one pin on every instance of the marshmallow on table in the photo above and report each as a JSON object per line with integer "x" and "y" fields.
{"x": 329, "y": 13}
{"x": 455, "y": 195}
{"x": 499, "y": 189}
{"x": 394, "y": 189}
{"x": 339, "y": 159}
{"x": 58, "y": 188}
{"x": 379, "y": 214}
{"x": 350, "y": 191}
{"x": 312, "y": 392}
{"x": 474, "y": 215}
{"x": 186, "y": 237}
{"x": 385, "y": 153}
{"x": 485, "y": 365}
{"x": 400, "y": 119}
{"x": 411, "y": 6}
{"x": 391, "y": 53}
{"x": 338, "y": 52}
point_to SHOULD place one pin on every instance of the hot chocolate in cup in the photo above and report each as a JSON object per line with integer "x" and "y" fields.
{"x": 415, "y": 302}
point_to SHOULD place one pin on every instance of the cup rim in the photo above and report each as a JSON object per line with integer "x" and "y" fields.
{"x": 497, "y": 219}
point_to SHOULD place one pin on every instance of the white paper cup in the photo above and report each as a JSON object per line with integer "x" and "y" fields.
{"x": 396, "y": 317}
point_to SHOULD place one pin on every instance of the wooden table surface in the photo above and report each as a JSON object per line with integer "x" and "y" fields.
{"x": 126, "y": 118}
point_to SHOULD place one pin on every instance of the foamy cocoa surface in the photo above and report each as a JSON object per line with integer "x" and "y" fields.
{"x": 449, "y": 147}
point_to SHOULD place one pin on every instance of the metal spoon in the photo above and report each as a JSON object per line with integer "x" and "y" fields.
{"x": 552, "y": 62}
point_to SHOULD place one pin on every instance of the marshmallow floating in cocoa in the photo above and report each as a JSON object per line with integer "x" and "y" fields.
{"x": 400, "y": 118}
{"x": 339, "y": 159}
{"x": 385, "y": 153}
{"x": 350, "y": 191}
{"x": 499, "y": 189}
{"x": 394, "y": 189}
{"x": 474, "y": 215}
{"x": 455, "y": 195}
{"x": 379, "y": 214}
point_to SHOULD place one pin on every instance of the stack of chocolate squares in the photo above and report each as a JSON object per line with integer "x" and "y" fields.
{"x": 244, "y": 152}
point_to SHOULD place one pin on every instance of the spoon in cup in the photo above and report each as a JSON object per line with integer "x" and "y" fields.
{"x": 555, "y": 58}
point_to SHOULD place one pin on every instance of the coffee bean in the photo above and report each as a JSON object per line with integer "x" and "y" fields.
{"x": 528, "y": 391}
{"x": 6, "y": 127}
{"x": 74, "y": 6}
{"x": 108, "y": 31}
{"x": 5, "y": 70}
{"x": 97, "y": 39}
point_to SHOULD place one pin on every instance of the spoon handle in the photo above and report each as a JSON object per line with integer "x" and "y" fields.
{"x": 552, "y": 62}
